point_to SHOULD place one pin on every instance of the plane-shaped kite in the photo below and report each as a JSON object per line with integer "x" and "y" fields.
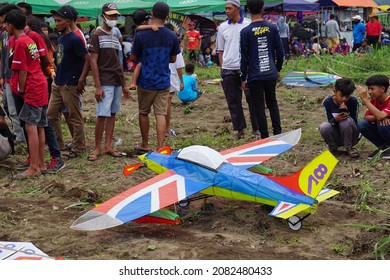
{"x": 21, "y": 251}
{"x": 201, "y": 169}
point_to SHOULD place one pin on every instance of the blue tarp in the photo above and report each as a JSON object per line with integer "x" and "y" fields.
{"x": 327, "y": 3}
{"x": 300, "y": 6}
{"x": 382, "y": 2}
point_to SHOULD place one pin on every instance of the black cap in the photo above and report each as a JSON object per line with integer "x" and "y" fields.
{"x": 139, "y": 16}
{"x": 74, "y": 12}
{"x": 110, "y": 9}
{"x": 64, "y": 12}
{"x": 160, "y": 10}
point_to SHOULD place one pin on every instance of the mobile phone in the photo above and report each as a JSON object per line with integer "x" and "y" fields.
{"x": 343, "y": 110}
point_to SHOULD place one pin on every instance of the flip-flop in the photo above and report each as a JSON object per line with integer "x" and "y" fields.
{"x": 140, "y": 150}
{"x": 22, "y": 176}
{"x": 115, "y": 153}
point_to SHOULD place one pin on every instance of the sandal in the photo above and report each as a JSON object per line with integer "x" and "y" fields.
{"x": 115, "y": 153}
{"x": 70, "y": 155}
{"x": 92, "y": 156}
{"x": 239, "y": 135}
{"x": 138, "y": 150}
{"x": 352, "y": 153}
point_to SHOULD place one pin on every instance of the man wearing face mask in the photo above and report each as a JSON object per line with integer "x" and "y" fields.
{"x": 109, "y": 80}
{"x": 72, "y": 62}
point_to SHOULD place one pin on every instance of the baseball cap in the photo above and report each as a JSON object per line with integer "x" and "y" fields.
{"x": 372, "y": 15}
{"x": 160, "y": 10}
{"x": 110, "y": 9}
{"x": 65, "y": 12}
{"x": 357, "y": 17}
{"x": 191, "y": 23}
{"x": 139, "y": 16}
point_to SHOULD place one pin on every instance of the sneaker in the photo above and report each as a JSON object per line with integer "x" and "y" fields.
{"x": 386, "y": 154}
{"x": 55, "y": 165}
{"x": 373, "y": 154}
{"x": 25, "y": 165}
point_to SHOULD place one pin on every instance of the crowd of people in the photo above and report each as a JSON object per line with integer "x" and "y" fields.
{"x": 43, "y": 77}
{"x": 366, "y": 37}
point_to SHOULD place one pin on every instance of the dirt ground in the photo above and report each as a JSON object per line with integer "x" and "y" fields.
{"x": 41, "y": 210}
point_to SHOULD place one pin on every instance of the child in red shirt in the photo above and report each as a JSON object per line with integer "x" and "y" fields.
{"x": 376, "y": 124}
{"x": 29, "y": 83}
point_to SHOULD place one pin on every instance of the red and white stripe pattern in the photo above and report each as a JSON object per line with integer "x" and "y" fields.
{"x": 148, "y": 197}
{"x": 256, "y": 152}
{"x": 281, "y": 207}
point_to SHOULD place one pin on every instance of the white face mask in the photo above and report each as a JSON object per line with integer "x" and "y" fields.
{"x": 110, "y": 23}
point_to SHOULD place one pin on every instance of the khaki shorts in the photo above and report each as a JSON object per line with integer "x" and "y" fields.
{"x": 332, "y": 43}
{"x": 156, "y": 98}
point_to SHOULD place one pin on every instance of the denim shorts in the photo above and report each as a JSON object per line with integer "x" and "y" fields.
{"x": 111, "y": 103}
{"x": 34, "y": 115}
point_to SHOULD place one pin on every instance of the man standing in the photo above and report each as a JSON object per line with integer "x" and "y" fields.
{"x": 228, "y": 48}
{"x": 261, "y": 61}
{"x": 72, "y": 67}
{"x": 109, "y": 80}
{"x": 359, "y": 30}
{"x": 374, "y": 31}
{"x": 193, "y": 43}
{"x": 332, "y": 32}
{"x": 5, "y": 77}
{"x": 156, "y": 50}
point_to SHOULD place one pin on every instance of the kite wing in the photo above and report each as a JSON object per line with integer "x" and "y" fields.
{"x": 21, "y": 251}
{"x": 139, "y": 201}
{"x": 259, "y": 151}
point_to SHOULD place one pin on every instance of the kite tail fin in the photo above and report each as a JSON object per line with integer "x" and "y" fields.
{"x": 312, "y": 178}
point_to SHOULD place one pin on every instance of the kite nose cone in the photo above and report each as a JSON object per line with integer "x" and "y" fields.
{"x": 93, "y": 220}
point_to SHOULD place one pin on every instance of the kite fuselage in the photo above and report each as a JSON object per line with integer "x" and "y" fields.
{"x": 229, "y": 181}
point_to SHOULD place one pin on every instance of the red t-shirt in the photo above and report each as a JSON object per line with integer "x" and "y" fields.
{"x": 26, "y": 58}
{"x": 193, "y": 38}
{"x": 39, "y": 41}
{"x": 384, "y": 107}
{"x": 373, "y": 28}
{"x": 81, "y": 35}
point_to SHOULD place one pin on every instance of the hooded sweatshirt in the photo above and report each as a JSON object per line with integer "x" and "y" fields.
{"x": 283, "y": 27}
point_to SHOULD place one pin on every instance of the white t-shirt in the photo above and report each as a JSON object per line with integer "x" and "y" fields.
{"x": 127, "y": 47}
{"x": 228, "y": 42}
{"x": 175, "y": 80}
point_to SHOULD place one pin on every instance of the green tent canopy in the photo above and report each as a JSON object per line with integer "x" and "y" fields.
{"x": 85, "y": 8}
{"x": 92, "y": 8}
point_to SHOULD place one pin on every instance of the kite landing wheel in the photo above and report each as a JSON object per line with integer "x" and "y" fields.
{"x": 184, "y": 203}
{"x": 294, "y": 223}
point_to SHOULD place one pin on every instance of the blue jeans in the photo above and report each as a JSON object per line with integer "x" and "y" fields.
{"x": 376, "y": 133}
